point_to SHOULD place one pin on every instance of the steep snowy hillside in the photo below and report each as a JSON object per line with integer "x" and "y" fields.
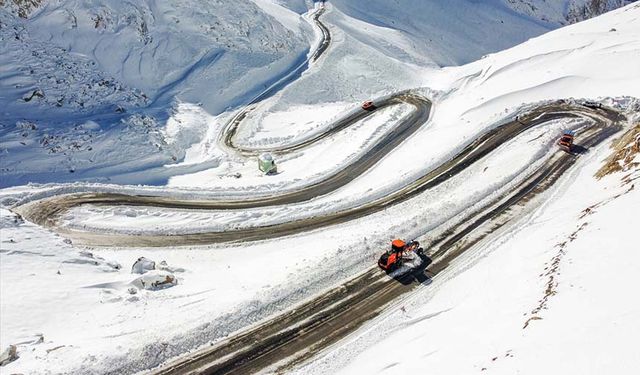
{"x": 86, "y": 88}
{"x": 450, "y": 33}
{"x": 565, "y": 11}
{"x": 90, "y": 90}
{"x": 460, "y": 31}
{"x": 153, "y": 237}
{"x": 548, "y": 293}
{"x": 203, "y": 51}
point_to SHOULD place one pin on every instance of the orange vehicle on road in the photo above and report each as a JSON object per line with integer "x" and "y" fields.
{"x": 392, "y": 258}
{"x": 566, "y": 141}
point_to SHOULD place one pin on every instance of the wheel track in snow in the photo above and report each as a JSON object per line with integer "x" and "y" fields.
{"x": 48, "y": 211}
{"x": 300, "y": 333}
{"x": 289, "y": 339}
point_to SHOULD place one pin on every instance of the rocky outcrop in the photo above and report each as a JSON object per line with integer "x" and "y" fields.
{"x": 580, "y": 10}
{"x": 22, "y": 8}
{"x": 565, "y": 12}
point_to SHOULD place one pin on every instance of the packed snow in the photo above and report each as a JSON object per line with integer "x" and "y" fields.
{"x": 138, "y": 94}
{"x": 129, "y": 70}
{"x": 550, "y": 296}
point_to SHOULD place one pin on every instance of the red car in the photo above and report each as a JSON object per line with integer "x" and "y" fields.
{"x": 368, "y": 106}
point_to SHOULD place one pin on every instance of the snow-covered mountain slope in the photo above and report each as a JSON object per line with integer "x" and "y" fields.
{"x": 460, "y": 31}
{"x": 595, "y": 58}
{"x": 77, "y": 309}
{"x": 577, "y": 62}
{"x": 167, "y": 50}
{"x": 88, "y": 88}
{"x": 450, "y": 33}
{"x": 565, "y": 11}
{"x": 550, "y": 293}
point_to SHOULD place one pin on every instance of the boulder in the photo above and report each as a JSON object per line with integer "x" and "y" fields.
{"x": 143, "y": 265}
{"x": 155, "y": 280}
{"x": 9, "y": 355}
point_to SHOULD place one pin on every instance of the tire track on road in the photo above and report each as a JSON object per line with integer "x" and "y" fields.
{"x": 302, "y": 332}
{"x": 48, "y": 211}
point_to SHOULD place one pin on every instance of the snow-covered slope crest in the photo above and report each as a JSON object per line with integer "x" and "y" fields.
{"x": 88, "y": 86}
{"x": 591, "y": 59}
{"x": 549, "y": 293}
{"x": 455, "y": 32}
{"x": 565, "y": 11}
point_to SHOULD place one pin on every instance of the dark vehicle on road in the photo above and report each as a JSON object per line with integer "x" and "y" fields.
{"x": 592, "y": 105}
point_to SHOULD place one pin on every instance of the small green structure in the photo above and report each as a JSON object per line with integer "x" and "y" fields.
{"x": 266, "y": 164}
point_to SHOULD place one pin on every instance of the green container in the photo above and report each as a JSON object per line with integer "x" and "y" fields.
{"x": 266, "y": 164}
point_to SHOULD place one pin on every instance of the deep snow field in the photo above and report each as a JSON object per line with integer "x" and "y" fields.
{"x": 133, "y": 99}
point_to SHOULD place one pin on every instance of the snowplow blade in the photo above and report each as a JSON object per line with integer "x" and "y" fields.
{"x": 565, "y": 148}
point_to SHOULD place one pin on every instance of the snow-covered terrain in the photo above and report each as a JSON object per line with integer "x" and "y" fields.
{"x": 564, "y": 11}
{"x": 89, "y": 88}
{"x": 108, "y": 96}
{"x": 551, "y": 295}
{"x": 460, "y": 31}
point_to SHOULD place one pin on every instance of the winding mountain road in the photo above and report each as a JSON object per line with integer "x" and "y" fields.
{"x": 295, "y": 335}
{"x": 298, "y": 334}
{"x": 48, "y": 211}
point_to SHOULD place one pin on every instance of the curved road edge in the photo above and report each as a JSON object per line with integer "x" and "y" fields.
{"x": 47, "y": 212}
{"x": 298, "y": 334}
{"x": 232, "y": 125}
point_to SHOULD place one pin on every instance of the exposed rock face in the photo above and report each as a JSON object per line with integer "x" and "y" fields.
{"x": 580, "y": 10}
{"x": 9, "y": 355}
{"x": 574, "y": 10}
{"x": 22, "y": 7}
{"x": 565, "y": 12}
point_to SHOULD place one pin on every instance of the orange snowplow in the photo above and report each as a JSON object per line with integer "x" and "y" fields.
{"x": 368, "y": 106}
{"x": 566, "y": 141}
{"x": 392, "y": 258}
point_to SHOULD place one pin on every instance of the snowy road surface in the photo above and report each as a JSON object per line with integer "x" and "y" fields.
{"x": 49, "y": 211}
{"x": 271, "y": 273}
{"x": 297, "y": 335}
{"x": 324, "y": 319}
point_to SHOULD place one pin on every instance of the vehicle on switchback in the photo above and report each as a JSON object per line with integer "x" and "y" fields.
{"x": 392, "y": 258}
{"x": 368, "y": 106}
{"x": 566, "y": 141}
{"x": 592, "y": 104}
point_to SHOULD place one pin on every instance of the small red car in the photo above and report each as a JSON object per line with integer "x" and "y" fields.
{"x": 368, "y": 106}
